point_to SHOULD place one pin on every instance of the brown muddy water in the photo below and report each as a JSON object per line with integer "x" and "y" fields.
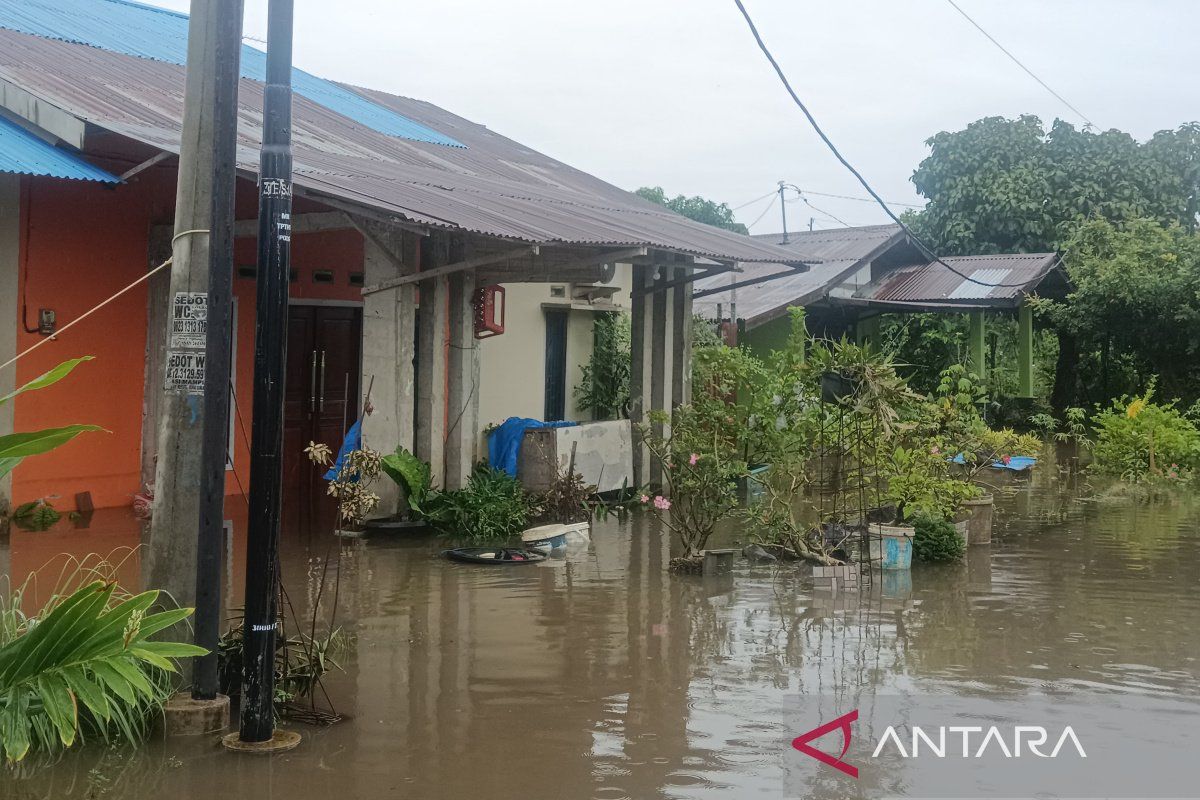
{"x": 599, "y": 675}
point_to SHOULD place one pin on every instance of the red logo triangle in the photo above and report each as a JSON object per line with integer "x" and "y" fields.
{"x": 842, "y": 723}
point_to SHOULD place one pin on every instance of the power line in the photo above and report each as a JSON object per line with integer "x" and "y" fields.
{"x": 860, "y": 199}
{"x": 774, "y": 198}
{"x": 755, "y": 200}
{"x": 1017, "y": 61}
{"x": 916, "y": 240}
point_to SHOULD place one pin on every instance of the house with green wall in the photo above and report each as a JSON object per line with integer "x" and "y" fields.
{"x": 851, "y": 277}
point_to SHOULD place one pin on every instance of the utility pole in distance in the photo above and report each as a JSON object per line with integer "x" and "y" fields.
{"x": 214, "y": 453}
{"x": 783, "y": 210}
{"x": 257, "y": 731}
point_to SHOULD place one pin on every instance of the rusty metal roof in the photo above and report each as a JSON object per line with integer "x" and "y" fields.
{"x": 832, "y": 255}
{"x": 493, "y": 186}
{"x": 932, "y": 284}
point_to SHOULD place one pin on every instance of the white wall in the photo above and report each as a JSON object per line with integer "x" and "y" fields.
{"x": 513, "y": 365}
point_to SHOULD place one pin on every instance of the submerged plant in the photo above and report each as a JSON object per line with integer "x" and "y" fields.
{"x": 1139, "y": 440}
{"x": 411, "y": 474}
{"x": 492, "y": 507}
{"x": 83, "y": 664}
{"x": 936, "y": 539}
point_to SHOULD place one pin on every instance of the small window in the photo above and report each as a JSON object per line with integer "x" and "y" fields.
{"x": 558, "y": 291}
{"x": 357, "y": 279}
{"x": 247, "y": 271}
{"x": 322, "y": 276}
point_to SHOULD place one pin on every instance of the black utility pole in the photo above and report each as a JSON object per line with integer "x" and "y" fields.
{"x": 218, "y": 341}
{"x": 270, "y": 348}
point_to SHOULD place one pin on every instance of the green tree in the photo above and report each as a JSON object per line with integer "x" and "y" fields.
{"x": 1009, "y": 185}
{"x": 697, "y": 208}
{"x": 1133, "y": 308}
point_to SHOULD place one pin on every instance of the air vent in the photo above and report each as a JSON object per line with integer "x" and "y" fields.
{"x": 322, "y": 276}
{"x": 357, "y": 279}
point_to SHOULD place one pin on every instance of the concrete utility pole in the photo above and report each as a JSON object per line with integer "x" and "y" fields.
{"x": 171, "y": 554}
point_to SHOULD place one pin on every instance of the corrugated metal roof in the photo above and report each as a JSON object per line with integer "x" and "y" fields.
{"x": 832, "y": 255}
{"x": 932, "y": 284}
{"x": 133, "y": 29}
{"x": 977, "y": 286}
{"x": 835, "y": 243}
{"x": 493, "y": 186}
{"x": 23, "y": 153}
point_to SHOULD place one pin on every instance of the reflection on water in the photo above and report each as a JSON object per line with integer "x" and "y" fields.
{"x": 599, "y": 675}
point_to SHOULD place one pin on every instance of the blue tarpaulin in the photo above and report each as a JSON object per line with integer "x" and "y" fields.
{"x": 353, "y": 441}
{"x": 1016, "y": 463}
{"x": 504, "y": 443}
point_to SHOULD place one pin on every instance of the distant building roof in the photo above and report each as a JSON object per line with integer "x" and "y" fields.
{"x": 932, "y": 284}
{"x": 78, "y": 60}
{"x": 832, "y": 255}
{"x": 25, "y": 154}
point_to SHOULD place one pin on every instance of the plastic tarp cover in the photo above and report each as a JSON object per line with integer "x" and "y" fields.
{"x": 504, "y": 443}
{"x": 353, "y": 441}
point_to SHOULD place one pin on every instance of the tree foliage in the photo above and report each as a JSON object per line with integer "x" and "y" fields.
{"x": 1133, "y": 308}
{"x": 1007, "y": 185}
{"x": 697, "y": 208}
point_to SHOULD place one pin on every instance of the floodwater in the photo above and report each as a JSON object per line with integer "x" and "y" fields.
{"x": 599, "y": 675}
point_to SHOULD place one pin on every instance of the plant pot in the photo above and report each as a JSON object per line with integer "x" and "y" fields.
{"x": 977, "y": 514}
{"x": 891, "y": 546}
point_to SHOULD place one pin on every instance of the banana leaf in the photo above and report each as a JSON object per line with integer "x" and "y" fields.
{"x": 49, "y": 378}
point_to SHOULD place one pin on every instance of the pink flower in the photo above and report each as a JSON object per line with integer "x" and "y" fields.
{"x": 1006, "y": 460}
{"x": 661, "y": 503}
{"x": 693, "y": 459}
{"x": 644, "y": 499}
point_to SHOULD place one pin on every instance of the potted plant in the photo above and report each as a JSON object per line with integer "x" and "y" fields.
{"x": 415, "y": 481}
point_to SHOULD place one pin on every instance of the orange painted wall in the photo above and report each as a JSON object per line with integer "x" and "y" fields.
{"x": 82, "y": 242}
{"x": 85, "y": 242}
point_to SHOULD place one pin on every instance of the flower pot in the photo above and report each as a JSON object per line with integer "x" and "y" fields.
{"x": 891, "y": 546}
{"x": 977, "y": 513}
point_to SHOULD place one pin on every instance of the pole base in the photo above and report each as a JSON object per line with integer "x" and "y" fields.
{"x": 280, "y": 742}
{"x": 185, "y": 716}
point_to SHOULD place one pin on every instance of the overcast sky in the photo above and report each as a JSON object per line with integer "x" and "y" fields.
{"x": 675, "y": 92}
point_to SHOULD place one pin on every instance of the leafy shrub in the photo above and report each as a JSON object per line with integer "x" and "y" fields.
{"x": 492, "y": 507}
{"x": 83, "y": 665}
{"x": 412, "y": 475}
{"x": 604, "y": 384}
{"x": 568, "y": 499}
{"x": 1138, "y": 440}
{"x": 936, "y": 539}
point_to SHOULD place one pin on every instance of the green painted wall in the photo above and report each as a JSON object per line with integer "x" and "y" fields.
{"x": 768, "y": 337}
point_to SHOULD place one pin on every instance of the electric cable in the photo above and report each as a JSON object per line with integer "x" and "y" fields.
{"x": 765, "y": 211}
{"x": 916, "y": 240}
{"x": 1017, "y": 61}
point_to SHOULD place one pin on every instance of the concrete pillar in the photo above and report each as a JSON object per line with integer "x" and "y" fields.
{"x": 462, "y": 427}
{"x": 641, "y": 338}
{"x": 681, "y": 351}
{"x": 659, "y": 346}
{"x": 157, "y": 308}
{"x": 431, "y": 360}
{"x": 1025, "y": 351}
{"x": 10, "y": 309}
{"x": 976, "y": 349}
{"x": 388, "y": 332}
{"x": 170, "y": 561}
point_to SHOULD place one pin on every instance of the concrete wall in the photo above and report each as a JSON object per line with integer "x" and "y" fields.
{"x": 513, "y": 366}
{"x": 10, "y": 238}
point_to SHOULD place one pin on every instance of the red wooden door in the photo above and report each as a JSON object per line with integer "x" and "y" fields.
{"x": 321, "y": 401}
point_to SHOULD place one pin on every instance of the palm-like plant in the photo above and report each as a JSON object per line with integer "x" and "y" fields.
{"x": 87, "y": 664}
